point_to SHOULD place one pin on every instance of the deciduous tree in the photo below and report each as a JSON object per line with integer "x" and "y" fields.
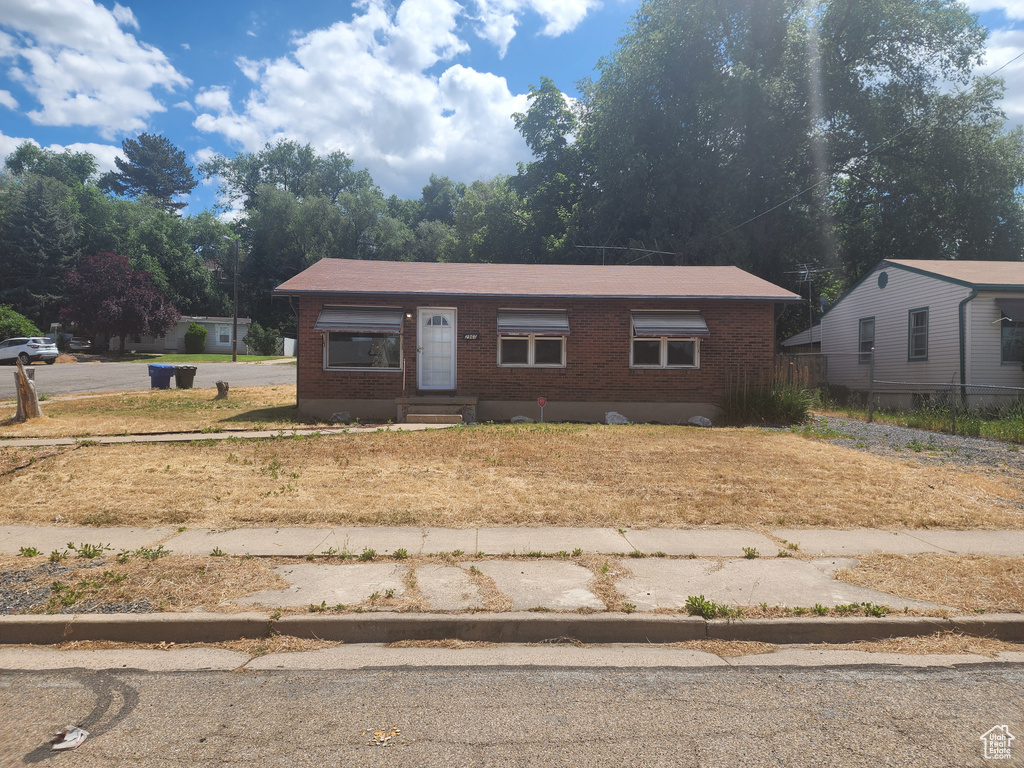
{"x": 106, "y": 297}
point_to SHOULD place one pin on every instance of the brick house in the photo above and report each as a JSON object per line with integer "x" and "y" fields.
{"x": 416, "y": 341}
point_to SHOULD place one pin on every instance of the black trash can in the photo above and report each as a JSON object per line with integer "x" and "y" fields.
{"x": 160, "y": 375}
{"x": 184, "y": 376}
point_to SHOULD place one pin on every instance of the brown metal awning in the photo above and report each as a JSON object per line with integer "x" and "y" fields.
{"x": 678, "y": 325}
{"x": 360, "y": 320}
{"x": 539, "y": 322}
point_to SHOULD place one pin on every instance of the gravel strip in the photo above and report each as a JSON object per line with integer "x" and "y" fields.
{"x": 920, "y": 444}
{"x": 20, "y": 592}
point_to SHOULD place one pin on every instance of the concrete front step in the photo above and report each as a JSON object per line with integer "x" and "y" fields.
{"x": 434, "y": 418}
{"x": 449, "y": 409}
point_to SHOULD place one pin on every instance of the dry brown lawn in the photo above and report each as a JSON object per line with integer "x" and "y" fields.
{"x": 156, "y": 411}
{"x": 967, "y": 582}
{"x": 574, "y": 475}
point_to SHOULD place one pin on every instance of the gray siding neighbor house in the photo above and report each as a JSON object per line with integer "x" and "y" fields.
{"x": 935, "y": 326}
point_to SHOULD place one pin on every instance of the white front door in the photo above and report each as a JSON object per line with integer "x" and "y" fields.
{"x": 435, "y": 349}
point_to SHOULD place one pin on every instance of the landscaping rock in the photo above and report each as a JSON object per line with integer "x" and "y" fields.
{"x": 614, "y": 417}
{"x": 522, "y": 420}
{"x": 700, "y": 421}
{"x": 341, "y": 417}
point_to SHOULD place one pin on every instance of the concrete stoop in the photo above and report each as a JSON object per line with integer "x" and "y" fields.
{"x": 439, "y": 409}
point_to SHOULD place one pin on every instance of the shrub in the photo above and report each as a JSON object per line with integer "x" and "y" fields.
{"x": 262, "y": 341}
{"x": 14, "y": 324}
{"x": 777, "y": 404}
{"x": 195, "y": 339}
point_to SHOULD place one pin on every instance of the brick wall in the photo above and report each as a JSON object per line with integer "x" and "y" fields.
{"x": 597, "y": 352}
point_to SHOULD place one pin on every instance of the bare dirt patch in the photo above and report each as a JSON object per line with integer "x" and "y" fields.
{"x": 507, "y": 475}
{"x": 967, "y": 582}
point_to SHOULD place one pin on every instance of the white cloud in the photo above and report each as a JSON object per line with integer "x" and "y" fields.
{"x": 251, "y": 69}
{"x": 386, "y": 88}
{"x": 104, "y": 153}
{"x": 82, "y": 67}
{"x": 1003, "y": 46}
{"x": 185, "y": 105}
{"x": 186, "y": 46}
{"x": 498, "y": 19}
{"x": 124, "y": 16}
{"x": 7, "y": 100}
{"x": 1014, "y": 9}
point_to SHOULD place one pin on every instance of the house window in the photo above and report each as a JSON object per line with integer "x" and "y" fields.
{"x": 364, "y": 350}
{"x": 866, "y": 339}
{"x": 917, "y": 335}
{"x": 361, "y": 337}
{"x": 532, "y": 338}
{"x": 666, "y": 339}
{"x": 531, "y": 351}
{"x": 1011, "y": 346}
{"x": 223, "y": 334}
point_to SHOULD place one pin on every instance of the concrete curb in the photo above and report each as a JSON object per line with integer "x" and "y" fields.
{"x": 495, "y": 628}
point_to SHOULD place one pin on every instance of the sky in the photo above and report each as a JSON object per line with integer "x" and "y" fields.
{"x": 406, "y": 88}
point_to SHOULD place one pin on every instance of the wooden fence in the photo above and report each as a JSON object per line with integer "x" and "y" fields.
{"x": 806, "y": 371}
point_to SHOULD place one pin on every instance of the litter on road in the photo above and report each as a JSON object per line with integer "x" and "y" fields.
{"x": 72, "y": 736}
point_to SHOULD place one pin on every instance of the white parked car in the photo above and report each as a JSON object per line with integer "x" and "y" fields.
{"x": 30, "y": 349}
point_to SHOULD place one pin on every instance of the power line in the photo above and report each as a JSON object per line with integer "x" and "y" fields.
{"x": 870, "y": 152}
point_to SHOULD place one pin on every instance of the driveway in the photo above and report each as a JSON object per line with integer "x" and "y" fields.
{"x": 70, "y": 378}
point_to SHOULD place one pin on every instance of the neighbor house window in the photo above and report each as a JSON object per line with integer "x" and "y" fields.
{"x": 917, "y": 335}
{"x": 361, "y": 337}
{"x": 866, "y": 339}
{"x": 533, "y": 338}
{"x": 666, "y": 339}
{"x": 223, "y": 334}
{"x": 1011, "y": 346}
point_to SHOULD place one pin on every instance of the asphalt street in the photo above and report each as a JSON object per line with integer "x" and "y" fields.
{"x": 71, "y": 378}
{"x": 505, "y": 716}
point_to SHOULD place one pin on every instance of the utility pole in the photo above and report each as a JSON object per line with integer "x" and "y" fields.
{"x": 234, "y": 320}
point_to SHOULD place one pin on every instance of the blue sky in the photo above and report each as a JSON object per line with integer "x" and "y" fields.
{"x": 406, "y": 88}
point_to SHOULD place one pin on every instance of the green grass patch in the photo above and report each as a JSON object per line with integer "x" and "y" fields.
{"x": 203, "y": 358}
{"x": 1006, "y": 425}
{"x": 773, "y": 404}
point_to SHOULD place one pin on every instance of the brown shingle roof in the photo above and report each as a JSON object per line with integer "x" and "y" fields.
{"x": 530, "y": 280}
{"x": 976, "y": 273}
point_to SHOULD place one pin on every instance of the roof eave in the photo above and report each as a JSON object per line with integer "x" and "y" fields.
{"x": 505, "y": 295}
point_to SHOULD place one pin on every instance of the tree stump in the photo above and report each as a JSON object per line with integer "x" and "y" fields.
{"x": 222, "y": 390}
{"x": 28, "y": 400}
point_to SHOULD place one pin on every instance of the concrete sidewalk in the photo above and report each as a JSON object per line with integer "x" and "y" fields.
{"x": 188, "y": 437}
{"x": 672, "y": 542}
{"x": 489, "y": 584}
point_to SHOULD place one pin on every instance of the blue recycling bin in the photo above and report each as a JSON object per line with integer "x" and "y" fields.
{"x": 160, "y": 375}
